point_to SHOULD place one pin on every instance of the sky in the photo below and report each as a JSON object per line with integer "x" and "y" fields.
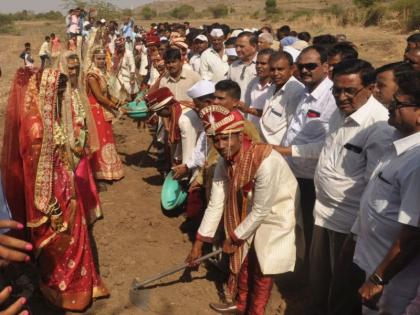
{"x": 10, "y": 6}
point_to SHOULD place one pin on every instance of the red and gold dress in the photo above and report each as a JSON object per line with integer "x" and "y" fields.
{"x": 106, "y": 163}
{"x": 54, "y": 199}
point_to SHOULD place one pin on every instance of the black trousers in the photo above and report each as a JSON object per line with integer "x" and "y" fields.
{"x": 324, "y": 254}
{"x": 307, "y": 202}
{"x": 344, "y": 296}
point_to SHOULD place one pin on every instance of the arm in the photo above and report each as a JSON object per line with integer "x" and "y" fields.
{"x": 96, "y": 91}
{"x": 403, "y": 251}
{"x": 188, "y": 135}
{"x": 214, "y": 210}
{"x": 264, "y": 197}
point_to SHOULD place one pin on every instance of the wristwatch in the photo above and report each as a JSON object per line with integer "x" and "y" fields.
{"x": 377, "y": 280}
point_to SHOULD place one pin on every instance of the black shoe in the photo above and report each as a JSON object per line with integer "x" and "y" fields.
{"x": 229, "y": 308}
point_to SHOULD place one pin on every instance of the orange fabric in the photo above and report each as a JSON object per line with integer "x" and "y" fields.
{"x": 174, "y": 133}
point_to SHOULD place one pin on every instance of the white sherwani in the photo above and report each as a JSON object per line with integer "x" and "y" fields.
{"x": 273, "y": 222}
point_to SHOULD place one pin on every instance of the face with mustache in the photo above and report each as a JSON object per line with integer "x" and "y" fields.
{"x": 228, "y": 145}
{"x": 349, "y": 92}
{"x": 311, "y": 70}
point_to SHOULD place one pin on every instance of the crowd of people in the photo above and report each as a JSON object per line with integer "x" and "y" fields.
{"x": 297, "y": 156}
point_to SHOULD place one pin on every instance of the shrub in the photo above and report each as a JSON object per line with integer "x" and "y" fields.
{"x": 364, "y": 3}
{"x": 147, "y": 13}
{"x": 219, "y": 11}
{"x": 374, "y": 16}
{"x": 410, "y": 12}
{"x": 182, "y": 11}
{"x": 270, "y": 7}
{"x": 7, "y": 25}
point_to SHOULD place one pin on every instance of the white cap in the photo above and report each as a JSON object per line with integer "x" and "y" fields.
{"x": 163, "y": 38}
{"x": 292, "y": 51}
{"x": 202, "y": 37}
{"x": 201, "y": 88}
{"x": 85, "y": 23}
{"x": 235, "y": 33}
{"x": 231, "y": 52}
{"x": 102, "y": 21}
{"x": 217, "y": 32}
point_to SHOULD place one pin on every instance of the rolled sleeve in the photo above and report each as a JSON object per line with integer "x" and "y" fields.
{"x": 409, "y": 212}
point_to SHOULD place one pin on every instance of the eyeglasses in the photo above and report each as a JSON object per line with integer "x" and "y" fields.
{"x": 308, "y": 66}
{"x": 395, "y": 104}
{"x": 349, "y": 92}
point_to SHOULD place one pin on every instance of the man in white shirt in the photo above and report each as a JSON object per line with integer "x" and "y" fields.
{"x": 202, "y": 94}
{"x": 282, "y": 98}
{"x": 200, "y": 44}
{"x": 256, "y": 193}
{"x": 242, "y": 71}
{"x": 358, "y": 134}
{"x": 388, "y": 226}
{"x": 45, "y": 52}
{"x": 178, "y": 79}
{"x": 214, "y": 66}
{"x": 309, "y": 127}
{"x": 257, "y": 89}
{"x": 184, "y": 125}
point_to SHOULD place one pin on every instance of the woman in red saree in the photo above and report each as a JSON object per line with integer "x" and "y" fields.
{"x": 106, "y": 163}
{"x": 51, "y": 138}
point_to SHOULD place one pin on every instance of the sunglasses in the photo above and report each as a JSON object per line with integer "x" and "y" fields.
{"x": 308, "y": 66}
{"x": 395, "y": 104}
{"x": 349, "y": 92}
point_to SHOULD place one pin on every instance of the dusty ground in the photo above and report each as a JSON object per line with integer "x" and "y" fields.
{"x": 135, "y": 239}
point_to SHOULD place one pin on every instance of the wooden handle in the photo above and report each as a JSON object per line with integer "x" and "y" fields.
{"x": 138, "y": 285}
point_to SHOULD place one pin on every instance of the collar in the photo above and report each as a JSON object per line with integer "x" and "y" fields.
{"x": 253, "y": 61}
{"x": 181, "y": 76}
{"x": 404, "y": 144}
{"x": 322, "y": 88}
{"x": 260, "y": 87}
{"x": 363, "y": 112}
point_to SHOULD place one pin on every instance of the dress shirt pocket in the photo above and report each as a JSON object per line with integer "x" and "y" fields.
{"x": 353, "y": 160}
{"x": 384, "y": 195}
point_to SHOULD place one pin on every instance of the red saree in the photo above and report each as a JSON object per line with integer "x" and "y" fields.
{"x": 63, "y": 255}
{"x": 106, "y": 163}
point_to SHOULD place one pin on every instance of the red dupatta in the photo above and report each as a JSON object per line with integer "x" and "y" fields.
{"x": 174, "y": 133}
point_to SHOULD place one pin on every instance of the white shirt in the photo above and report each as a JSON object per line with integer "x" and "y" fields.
{"x": 352, "y": 150}
{"x": 45, "y": 49}
{"x": 255, "y": 97}
{"x": 190, "y": 126}
{"x": 273, "y": 213}
{"x": 199, "y": 153}
{"x": 213, "y": 67}
{"x": 391, "y": 199}
{"x": 195, "y": 62}
{"x": 179, "y": 86}
{"x": 242, "y": 74}
{"x": 309, "y": 125}
{"x": 278, "y": 110}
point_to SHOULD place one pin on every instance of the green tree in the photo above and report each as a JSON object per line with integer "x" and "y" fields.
{"x": 147, "y": 13}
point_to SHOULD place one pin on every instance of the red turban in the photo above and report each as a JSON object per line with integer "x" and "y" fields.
{"x": 219, "y": 120}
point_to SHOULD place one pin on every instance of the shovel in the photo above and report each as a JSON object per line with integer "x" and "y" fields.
{"x": 138, "y": 293}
